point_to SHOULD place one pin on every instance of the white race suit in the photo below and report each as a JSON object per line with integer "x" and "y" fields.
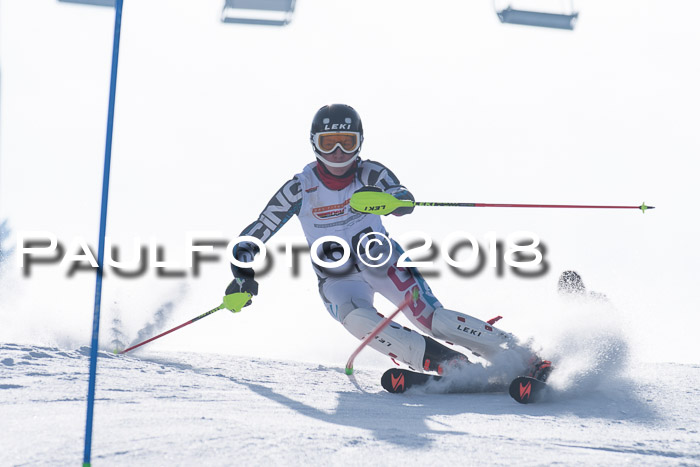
{"x": 348, "y": 291}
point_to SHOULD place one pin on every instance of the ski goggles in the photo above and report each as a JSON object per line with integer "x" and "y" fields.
{"x": 348, "y": 142}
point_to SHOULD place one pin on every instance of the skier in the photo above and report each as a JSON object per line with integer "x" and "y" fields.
{"x": 319, "y": 196}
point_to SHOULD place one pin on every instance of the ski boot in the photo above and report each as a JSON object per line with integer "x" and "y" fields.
{"x": 437, "y": 357}
{"x": 539, "y": 369}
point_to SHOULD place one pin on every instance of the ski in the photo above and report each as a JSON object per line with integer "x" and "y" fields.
{"x": 398, "y": 380}
{"x": 527, "y": 390}
{"x": 523, "y": 389}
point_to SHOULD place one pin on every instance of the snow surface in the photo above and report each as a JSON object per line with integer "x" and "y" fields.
{"x": 598, "y": 116}
{"x": 156, "y": 408}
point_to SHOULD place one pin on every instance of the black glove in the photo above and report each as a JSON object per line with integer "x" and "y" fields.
{"x": 243, "y": 284}
{"x": 243, "y": 278}
{"x": 402, "y": 193}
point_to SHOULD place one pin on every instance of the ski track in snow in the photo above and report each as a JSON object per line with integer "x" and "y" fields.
{"x": 187, "y": 409}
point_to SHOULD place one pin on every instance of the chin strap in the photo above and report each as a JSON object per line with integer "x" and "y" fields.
{"x": 337, "y": 165}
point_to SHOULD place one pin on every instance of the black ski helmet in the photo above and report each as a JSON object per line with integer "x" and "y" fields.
{"x": 338, "y": 118}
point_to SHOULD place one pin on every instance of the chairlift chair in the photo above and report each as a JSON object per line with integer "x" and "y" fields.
{"x": 260, "y": 12}
{"x": 541, "y": 19}
{"x": 111, "y": 3}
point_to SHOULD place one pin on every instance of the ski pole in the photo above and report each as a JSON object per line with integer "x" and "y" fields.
{"x": 384, "y": 203}
{"x": 233, "y": 302}
{"x": 377, "y": 330}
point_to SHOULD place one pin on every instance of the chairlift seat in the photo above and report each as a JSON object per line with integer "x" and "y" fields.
{"x": 537, "y": 18}
{"x": 111, "y": 3}
{"x": 260, "y": 12}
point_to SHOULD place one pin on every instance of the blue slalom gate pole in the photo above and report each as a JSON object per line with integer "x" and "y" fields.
{"x": 103, "y": 228}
